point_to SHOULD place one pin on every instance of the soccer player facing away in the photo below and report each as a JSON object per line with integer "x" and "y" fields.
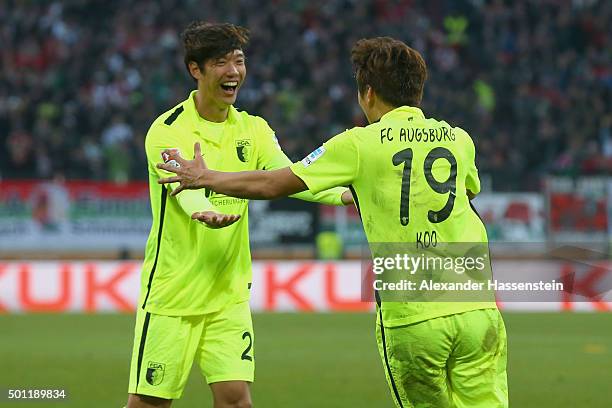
{"x": 435, "y": 354}
{"x": 196, "y": 278}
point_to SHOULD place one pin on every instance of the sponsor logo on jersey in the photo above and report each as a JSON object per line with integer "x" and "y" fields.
{"x": 243, "y": 150}
{"x": 155, "y": 373}
{"x": 314, "y": 156}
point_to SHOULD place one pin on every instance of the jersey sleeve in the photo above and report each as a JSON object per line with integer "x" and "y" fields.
{"x": 336, "y": 163}
{"x": 472, "y": 182}
{"x": 272, "y": 157}
{"x": 158, "y": 139}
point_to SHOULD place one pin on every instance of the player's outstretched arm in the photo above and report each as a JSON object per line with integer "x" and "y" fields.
{"x": 258, "y": 184}
{"x": 272, "y": 157}
{"x": 275, "y": 159}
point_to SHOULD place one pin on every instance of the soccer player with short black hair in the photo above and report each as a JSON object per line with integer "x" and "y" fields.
{"x": 408, "y": 174}
{"x": 196, "y": 276}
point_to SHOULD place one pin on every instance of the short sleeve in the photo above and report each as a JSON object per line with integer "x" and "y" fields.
{"x": 158, "y": 139}
{"x": 271, "y": 156}
{"x": 335, "y": 163}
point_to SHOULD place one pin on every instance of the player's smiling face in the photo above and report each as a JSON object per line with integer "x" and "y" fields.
{"x": 222, "y": 78}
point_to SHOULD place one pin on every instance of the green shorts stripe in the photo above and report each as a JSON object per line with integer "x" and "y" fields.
{"x": 143, "y": 339}
{"x": 389, "y": 373}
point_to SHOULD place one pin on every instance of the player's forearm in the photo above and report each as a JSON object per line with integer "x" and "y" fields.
{"x": 333, "y": 196}
{"x": 258, "y": 184}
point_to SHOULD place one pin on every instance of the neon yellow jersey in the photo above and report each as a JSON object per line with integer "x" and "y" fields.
{"x": 409, "y": 176}
{"x": 188, "y": 268}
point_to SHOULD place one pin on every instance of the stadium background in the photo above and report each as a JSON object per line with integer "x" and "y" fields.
{"x": 81, "y": 81}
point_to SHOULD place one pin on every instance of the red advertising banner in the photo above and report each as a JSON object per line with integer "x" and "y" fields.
{"x": 93, "y": 287}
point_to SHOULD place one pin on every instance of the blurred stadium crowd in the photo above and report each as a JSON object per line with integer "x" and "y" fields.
{"x": 531, "y": 80}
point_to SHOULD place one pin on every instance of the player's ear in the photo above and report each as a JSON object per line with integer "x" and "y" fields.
{"x": 194, "y": 70}
{"x": 370, "y": 95}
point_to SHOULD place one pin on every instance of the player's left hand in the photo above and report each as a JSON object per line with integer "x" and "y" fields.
{"x": 215, "y": 220}
{"x": 188, "y": 172}
{"x": 347, "y": 198}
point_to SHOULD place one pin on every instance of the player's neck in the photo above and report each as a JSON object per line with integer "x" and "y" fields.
{"x": 209, "y": 110}
{"x": 378, "y": 110}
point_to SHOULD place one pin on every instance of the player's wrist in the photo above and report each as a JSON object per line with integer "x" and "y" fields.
{"x": 206, "y": 178}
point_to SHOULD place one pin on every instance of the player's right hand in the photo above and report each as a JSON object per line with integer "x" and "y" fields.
{"x": 215, "y": 220}
{"x": 188, "y": 173}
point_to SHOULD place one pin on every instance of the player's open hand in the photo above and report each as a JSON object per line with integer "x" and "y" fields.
{"x": 215, "y": 220}
{"x": 189, "y": 173}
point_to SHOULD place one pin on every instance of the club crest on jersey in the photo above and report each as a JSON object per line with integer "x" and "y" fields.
{"x": 243, "y": 150}
{"x": 155, "y": 373}
{"x": 314, "y": 156}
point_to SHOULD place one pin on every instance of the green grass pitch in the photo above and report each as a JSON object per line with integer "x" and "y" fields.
{"x": 303, "y": 360}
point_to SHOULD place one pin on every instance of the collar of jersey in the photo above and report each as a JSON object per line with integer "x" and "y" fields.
{"x": 404, "y": 111}
{"x": 197, "y": 120}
